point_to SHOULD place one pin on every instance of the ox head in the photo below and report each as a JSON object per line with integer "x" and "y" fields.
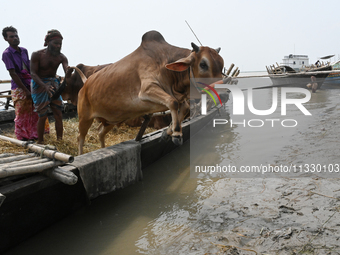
{"x": 74, "y": 81}
{"x": 69, "y": 94}
{"x": 204, "y": 62}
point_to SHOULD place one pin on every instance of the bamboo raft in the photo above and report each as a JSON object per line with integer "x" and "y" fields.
{"x": 43, "y": 158}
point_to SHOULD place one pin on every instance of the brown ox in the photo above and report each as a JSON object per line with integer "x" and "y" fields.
{"x": 75, "y": 81}
{"x": 153, "y": 78}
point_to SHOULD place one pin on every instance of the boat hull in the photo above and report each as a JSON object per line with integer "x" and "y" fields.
{"x": 333, "y": 79}
{"x": 300, "y": 79}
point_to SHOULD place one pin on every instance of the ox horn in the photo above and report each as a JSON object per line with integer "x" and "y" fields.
{"x": 218, "y": 49}
{"x": 195, "y": 47}
{"x": 81, "y": 74}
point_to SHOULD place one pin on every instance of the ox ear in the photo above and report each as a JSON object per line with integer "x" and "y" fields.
{"x": 182, "y": 64}
{"x": 218, "y": 49}
{"x": 177, "y": 66}
{"x": 195, "y": 47}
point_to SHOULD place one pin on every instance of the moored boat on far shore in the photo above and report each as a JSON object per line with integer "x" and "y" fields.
{"x": 295, "y": 71}
{"x": 334, "y": 78}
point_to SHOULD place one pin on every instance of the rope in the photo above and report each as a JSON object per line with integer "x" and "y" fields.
{"x": 194, "y": 81}
{"x": 53, "y": 155}
{"x": 42, "y": 152}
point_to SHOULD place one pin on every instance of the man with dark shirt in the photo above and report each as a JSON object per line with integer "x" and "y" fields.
{"x": 18, "y": 65}
{"x": 44, "y": 66}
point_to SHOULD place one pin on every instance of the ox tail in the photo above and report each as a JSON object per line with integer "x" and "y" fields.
{"x": 81, "y": 74}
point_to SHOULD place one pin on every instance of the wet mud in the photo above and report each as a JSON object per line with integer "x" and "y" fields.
{"x": 297, "y": 213}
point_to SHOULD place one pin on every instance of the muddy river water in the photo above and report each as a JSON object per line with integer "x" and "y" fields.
{"x": 171, "y": 212}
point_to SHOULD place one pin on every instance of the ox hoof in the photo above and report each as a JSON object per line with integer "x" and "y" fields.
{"x": 165, "y": 137}
{"x": 177, "y": 140}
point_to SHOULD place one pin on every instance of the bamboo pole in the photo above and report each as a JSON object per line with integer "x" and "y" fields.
{"x": 5, "y": 81}
{"x": 33, "y": 158}
{"x": 25, "y": 163}
{"x": 289, "y": 74}
{"x": 5, "y": 155}
{"x": 5, "y": 96}
{"x": 237, "y": 73}
{"x": 29, "y": 169}
{"x": 234, "y": 72}
{"x": 46, "y": 152}
{"x": 273, "y": 70}
{"x": 230, "y": 68}
{"x": 50, "y": 147}
{"x": 66, "y": 177}
{"x": 14, "y": 158}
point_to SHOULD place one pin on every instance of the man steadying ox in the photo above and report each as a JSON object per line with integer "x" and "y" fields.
{"x": 18, "y": 65}
{"x": 44, "y": 66}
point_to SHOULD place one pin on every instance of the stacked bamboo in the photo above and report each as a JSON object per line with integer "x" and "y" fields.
{"x": 46, "y": 162}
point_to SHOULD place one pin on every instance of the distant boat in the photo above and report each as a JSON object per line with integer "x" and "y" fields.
{"x": 334, "y": 78}
{"x": 297, "y": 62}
{"x": 295, "y": 71}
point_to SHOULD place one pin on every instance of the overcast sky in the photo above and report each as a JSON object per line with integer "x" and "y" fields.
{"x": 252, "y": 34}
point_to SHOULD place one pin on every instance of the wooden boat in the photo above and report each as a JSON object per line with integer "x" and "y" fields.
{"x": 295, "y": 71}
{"x": 6, "y": 95}
{"x": 31, "y": 202}
{"x": 333, "y": 79}
{"x": 286, "y": 76}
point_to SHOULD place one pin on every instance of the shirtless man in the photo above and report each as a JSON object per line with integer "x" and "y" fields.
{"x": 44, "y": 66}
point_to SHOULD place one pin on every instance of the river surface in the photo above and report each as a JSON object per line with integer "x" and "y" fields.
{"x": 170, "y": 212}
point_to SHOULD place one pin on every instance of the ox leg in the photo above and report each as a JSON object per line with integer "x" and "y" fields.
{"x": 84, "y": 126}
{"x": 165, "y": 136}
{"x": 184, "y": 110}
{"x": 150, "y": 91}
{"x": 145, "y": 124}
{"x": 105, "y": 128}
